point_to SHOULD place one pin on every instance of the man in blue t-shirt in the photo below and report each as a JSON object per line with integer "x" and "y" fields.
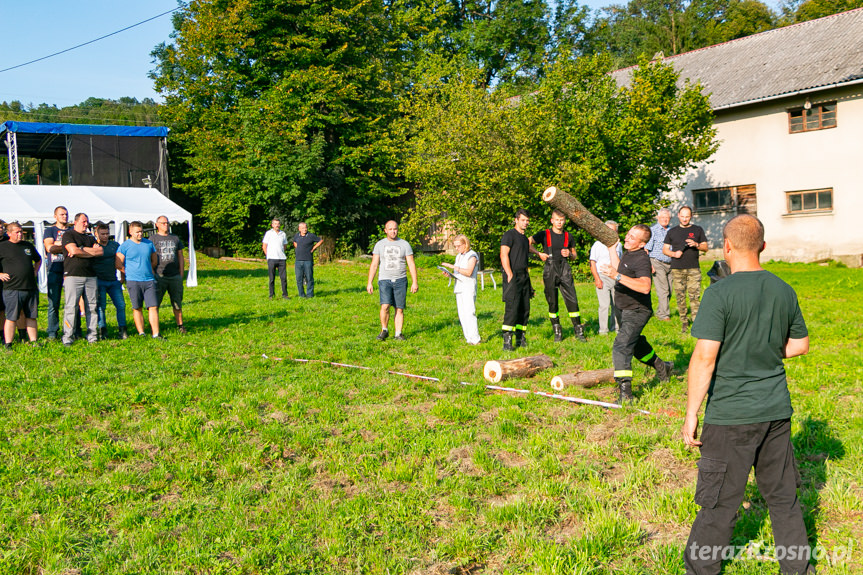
{"x": 748, "y": 323}
{"x": 136, "y": 259}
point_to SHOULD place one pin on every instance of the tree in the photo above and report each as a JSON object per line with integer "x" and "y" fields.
{"x": 282, "y": 109}
{"x": 477, "y": 157}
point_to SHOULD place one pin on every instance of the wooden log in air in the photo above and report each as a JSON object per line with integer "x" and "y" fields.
{"x": 497, "y": 371}
{"x": 579, "y": 215}
{"x": 586, "y": 379}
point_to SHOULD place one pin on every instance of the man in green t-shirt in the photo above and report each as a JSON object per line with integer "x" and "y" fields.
{"x": 747, "y": 324}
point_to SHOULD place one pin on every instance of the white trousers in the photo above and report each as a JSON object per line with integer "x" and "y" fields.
{"x": 466, "y": 303}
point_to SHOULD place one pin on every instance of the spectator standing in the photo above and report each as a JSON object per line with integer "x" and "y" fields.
{"x": 169, "y": 269}
{"x": 749, "y": 323}
{"x": 108, "y": 284}
{"x": 53, "y": 243}
{"x": 661, "y": 263}
{"x": 517, "y": 291}
{"x": 683, "y": 244}
{"x": 395, "y": 257}
{"x": 464, "y": 270}
{"x": 19, "y": 264}
{"x": 604, "y": 285}
{"x": 136, "y": 259}
{"x": 79, "y": 279}
{"x": 557, "y": 249}
{"x": 305, "y": 244}
{"x": 273, "y": 245}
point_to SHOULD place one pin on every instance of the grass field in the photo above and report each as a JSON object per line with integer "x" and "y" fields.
{"x": 199, "y": 455}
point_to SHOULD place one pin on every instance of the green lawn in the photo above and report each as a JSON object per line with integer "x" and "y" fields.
{"x": 199, "y": 455}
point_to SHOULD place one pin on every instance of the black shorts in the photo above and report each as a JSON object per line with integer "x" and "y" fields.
{"x": 173, "y": 285}
{"x": 18, "y": 301}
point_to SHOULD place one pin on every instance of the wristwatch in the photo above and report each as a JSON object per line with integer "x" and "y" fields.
{"x": 617, "y": 278}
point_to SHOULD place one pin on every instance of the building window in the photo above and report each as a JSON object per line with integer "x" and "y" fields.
{"x": 817, "y": 117}
{"x": 739, "y": 198}
{"x": 810, "y": 201}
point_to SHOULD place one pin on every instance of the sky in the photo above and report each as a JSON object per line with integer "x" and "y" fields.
{"x": 110, "y": 68}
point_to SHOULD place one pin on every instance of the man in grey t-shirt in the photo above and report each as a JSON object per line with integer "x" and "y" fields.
{"x": 394, "y": 255}
{"x": 169, "y": 269}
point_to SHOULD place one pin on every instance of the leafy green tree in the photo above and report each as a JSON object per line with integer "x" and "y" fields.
{"x": 283, "y": 107}
{"x": 477, "y": 156}
{"x": 812, "y": 9}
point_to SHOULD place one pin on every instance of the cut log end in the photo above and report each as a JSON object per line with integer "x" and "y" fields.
{"x": 492, "y": 371}
{"x": 557, "y": 383}
{"x": 549, "y": 194}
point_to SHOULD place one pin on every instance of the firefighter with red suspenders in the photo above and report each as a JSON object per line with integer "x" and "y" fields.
{"x": 556, "y": 274}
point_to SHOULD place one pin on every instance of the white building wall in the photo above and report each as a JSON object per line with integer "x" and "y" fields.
{"x": 756, "y": 148}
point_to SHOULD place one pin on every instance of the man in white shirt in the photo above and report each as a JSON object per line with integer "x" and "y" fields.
{"x": 274, "y": 248}
{"x": 604, "y": 285}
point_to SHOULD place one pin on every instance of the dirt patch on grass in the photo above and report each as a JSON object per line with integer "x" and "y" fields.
{"x": 462, "y": 458}
{"x": 509, "y": 459}
{"x": 677, "y": 473}
{"x": 569, "y": 528}
{"x": 488, "y": 416}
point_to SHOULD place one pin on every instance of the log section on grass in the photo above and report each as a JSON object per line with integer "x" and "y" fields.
{"x": 579, "y": 215}
{"x": 586, "y": 379}
{"x": 496, "y": 371}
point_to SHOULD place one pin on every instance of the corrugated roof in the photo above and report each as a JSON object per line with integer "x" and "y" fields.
{"x": 821, "y": 53}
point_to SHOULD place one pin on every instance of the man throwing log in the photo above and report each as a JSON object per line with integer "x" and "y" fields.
{"x": 514, "y": 250}
{"x": 748, "y": 323}
{"x": 633, "y": 310}
{"x": 557, "y": 275}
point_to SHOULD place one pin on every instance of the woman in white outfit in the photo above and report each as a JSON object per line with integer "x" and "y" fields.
{"x": 465, "y": 269}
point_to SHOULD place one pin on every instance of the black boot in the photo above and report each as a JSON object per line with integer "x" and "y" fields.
{"x": 122, "y": 332}
{"x": 625, "y": 397}
{"x": 507, "y": 341}
{"x": 663, "y": 368}
{"x": 103, "y": 332}
{"x": 22, "y": 334}
{"x": 558, "y": 332}
{"x": 520, "y": 338}
{"x": 579, "y": 332}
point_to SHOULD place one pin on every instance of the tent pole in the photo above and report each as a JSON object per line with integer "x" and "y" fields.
{"x": 192, "y": 277}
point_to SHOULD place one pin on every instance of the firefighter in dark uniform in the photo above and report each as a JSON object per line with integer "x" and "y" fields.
{"x": 556, "y": 274}
{"x": 633, "y": 310}
{"x": 514, "y": 251}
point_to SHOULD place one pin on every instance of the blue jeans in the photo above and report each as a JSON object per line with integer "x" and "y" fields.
{"x": 55, "y": 286}
{"x": 114, "y": 289}
{"x": 303, "y": 271}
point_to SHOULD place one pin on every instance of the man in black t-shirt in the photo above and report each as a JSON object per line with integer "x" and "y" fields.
{"x": 632, "y": 274}
{"x": 169, "y": 269}
{"x": 556, "y": 274}
{"x": 19, "y": 264}
{"x": 54, "y": 253}
{"x": 305, "y": 244}
{"x": 514, "y": 250}
{"x": 683, "y": 244}
{"x": 79, "y": 279}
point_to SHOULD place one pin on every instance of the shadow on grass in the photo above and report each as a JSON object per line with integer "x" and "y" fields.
{"x": 814, "y": 444}
{"x": 234, "y": 274}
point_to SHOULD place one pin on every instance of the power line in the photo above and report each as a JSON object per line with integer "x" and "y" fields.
{"x": 86, "y": 43}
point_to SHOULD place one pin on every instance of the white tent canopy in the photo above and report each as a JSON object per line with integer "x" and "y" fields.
{"x": 35, "y": 204}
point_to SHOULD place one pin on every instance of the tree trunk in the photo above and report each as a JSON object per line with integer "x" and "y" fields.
{"x": 496, "y": 371}
{"x": 586, "y": 379}
{"x": 579, "y": 215}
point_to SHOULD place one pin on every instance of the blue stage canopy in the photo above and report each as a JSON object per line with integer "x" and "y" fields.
{"x": 83, "y": 129}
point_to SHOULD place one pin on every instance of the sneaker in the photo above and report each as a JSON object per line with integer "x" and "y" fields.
{"x": 160, "y": 337}
{"x": 8, "y": 346}
{"x": 383, "y": 335}
{"x": 182, "y": 329}
{"x": 399, "y": 337}
{"x": 67, "y": 344}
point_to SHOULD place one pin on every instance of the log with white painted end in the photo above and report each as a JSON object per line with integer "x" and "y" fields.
{"x": 497, "y": 371}
{"x": 579, "y": 215}
{"x": 585, "y": 379}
